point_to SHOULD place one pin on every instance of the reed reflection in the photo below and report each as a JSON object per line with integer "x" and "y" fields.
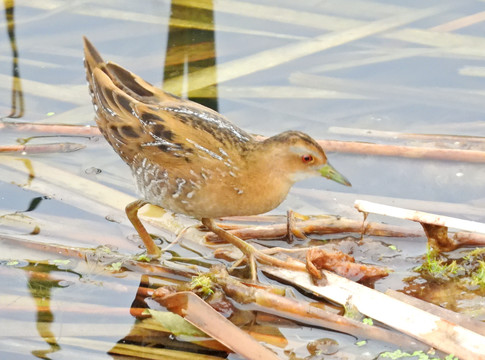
{"x": 191, "y": 47}
{"x": 17, "y": 107}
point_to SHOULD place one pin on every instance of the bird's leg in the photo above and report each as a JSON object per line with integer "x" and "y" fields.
{"x": 292, "y": 229}
{"x": 250, "y": 251}
{"x": 132, "y": 212}
{"x": 246, "y": 249}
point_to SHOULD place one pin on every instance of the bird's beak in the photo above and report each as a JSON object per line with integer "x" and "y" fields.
{"x": 329, "y": 172}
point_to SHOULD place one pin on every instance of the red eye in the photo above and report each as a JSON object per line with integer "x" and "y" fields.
{"x": 307, "y": 159}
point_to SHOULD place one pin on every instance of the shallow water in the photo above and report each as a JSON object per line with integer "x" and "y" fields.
{"x": 268, "y": 66}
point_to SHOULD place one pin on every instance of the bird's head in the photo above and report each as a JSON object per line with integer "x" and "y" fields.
{"x": 297, "y": 156}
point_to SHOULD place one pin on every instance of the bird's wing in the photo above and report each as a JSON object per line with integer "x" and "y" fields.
{"x": 137, "y": 118}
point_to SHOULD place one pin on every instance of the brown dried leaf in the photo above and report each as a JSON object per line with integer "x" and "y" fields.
{"x": 342, "y": 264}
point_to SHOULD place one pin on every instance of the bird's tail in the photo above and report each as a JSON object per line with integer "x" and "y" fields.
{"x": 113, "y": 102}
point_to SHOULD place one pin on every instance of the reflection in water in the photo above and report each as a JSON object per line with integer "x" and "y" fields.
{"x": 164, "y": 335}
{"x": 35, "y": 202}
{"x": 30, "y": 171}
{"x": 190, "y": 49}
{"x": 40, "y": 285}
{"x": 17, "y": 109}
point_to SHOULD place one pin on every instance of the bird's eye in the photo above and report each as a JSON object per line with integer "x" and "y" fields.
{"x": 307, "y": 159}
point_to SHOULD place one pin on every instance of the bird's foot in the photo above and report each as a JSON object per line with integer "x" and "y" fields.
{"x": 153, "y": 251}
{"x": 251, "y": 253}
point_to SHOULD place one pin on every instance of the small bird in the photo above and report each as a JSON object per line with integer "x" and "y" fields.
{"x": 189, "y": 159}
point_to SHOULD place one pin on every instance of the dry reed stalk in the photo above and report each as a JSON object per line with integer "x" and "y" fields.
{"x": 42, "y": 148}
{"x": 87, "y": 130}
{"x": 304, "y": 312}
{"x": 392, "y": 135}
{"x": 414, "y": 152}
{"x": 419, "y": 324}
{"x": 419, "y": 216}
{"x": 200, "y": 314}
{"x": 457, "y": 318}
{"x": 323, "y": 225}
